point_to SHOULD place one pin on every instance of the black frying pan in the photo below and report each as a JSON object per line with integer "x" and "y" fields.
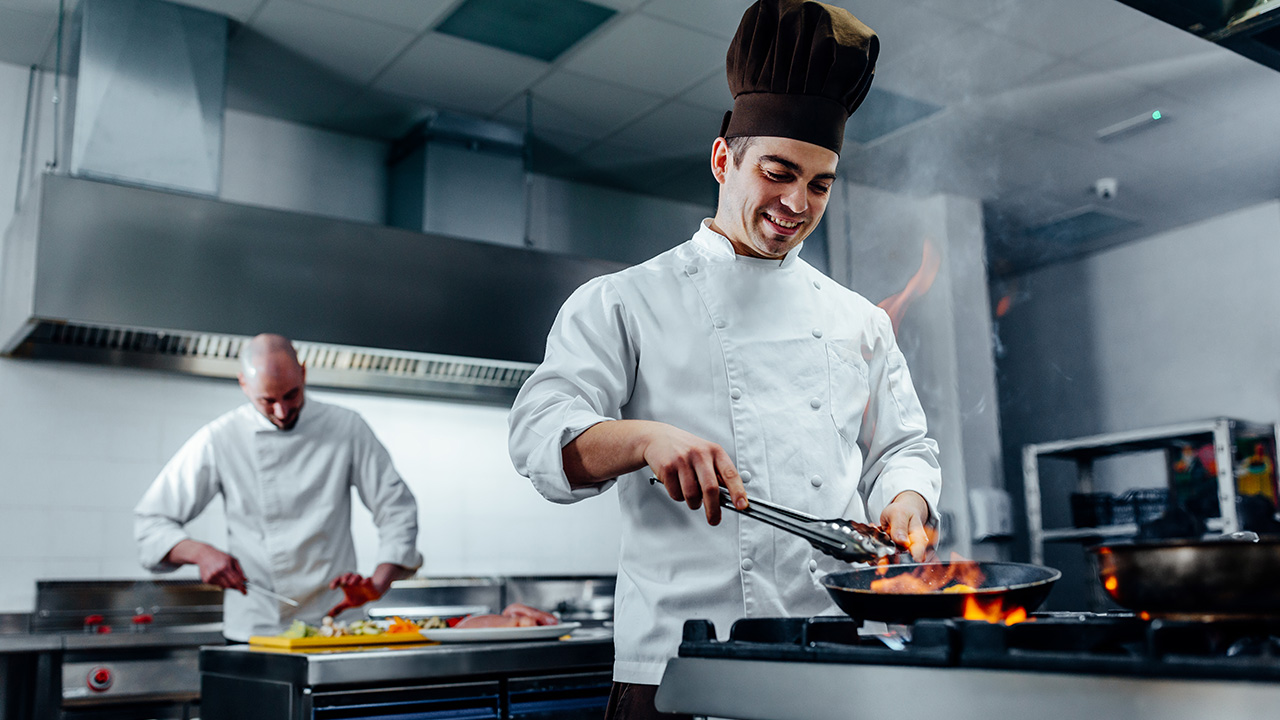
{"x": 1227, "y": 576}
{"x": 1014, "y": 584}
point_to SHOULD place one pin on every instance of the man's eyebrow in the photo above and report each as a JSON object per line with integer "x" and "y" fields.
{"x": 793, "y": 167}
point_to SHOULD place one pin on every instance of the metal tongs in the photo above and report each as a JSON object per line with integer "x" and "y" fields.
{"x": 841, "y": 539}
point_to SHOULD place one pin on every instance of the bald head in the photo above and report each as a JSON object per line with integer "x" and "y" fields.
{"x": 273, "y": 379}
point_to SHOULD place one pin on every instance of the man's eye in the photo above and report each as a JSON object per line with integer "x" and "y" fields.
{"x": 821, "y": 189}
{"x": 776, "y": 177}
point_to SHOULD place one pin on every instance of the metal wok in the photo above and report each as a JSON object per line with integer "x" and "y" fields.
{"x": 1013, "y": 584}
{"x": 1230, "y": 576}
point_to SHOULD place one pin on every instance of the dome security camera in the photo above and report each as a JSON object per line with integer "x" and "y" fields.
{"x": 1105, "y": 188}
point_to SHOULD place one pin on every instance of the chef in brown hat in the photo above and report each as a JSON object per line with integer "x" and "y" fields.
{"x": 728, "y": 361}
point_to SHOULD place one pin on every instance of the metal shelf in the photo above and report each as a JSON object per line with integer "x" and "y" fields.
{"x": 1222, "y": 432}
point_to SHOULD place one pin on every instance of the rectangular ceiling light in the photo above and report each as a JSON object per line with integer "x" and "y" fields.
{"x": 541, "y": 29}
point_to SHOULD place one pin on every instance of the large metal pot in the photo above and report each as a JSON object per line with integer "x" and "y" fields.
{"x": 1229, "y": 576}
{"x": 1012, "y": 584}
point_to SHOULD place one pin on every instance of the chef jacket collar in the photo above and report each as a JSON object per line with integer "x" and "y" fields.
{"x": 265, "y": 425}
{"x": 716, "y": 248}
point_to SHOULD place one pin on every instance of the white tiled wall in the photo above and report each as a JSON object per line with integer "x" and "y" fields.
{"x": 79, "y": 444}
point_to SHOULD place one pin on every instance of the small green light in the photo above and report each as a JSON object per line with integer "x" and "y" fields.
{"x": 1156, "y": 115}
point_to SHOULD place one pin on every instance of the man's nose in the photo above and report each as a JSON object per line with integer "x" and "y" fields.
{"x": 796, "y": 199}
{"x": 280, "y": 411}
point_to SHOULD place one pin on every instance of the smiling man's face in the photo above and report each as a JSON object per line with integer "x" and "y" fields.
{"x": 772, "y": 196}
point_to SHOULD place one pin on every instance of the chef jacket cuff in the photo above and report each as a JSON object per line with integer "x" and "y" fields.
{"x": 893, "y": 484}
{"x": 549, "y": 479}
{"x": 153, "y": 549}
{"x": 406, "y": 557}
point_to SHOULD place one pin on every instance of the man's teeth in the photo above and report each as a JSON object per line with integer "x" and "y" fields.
{"x": 783, "y": 223}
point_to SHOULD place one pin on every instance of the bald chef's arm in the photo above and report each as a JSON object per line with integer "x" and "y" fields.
{"x": 182, "y": 490}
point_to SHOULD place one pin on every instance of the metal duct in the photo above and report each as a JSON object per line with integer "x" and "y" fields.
{"x": 1248, "y": 27}
{"x": 148, "y": 104}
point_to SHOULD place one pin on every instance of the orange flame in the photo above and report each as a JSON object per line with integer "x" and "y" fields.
{"x": 1111, "y": 584}
{"x": 896, "y": 305}
{"x": 993, "y": 611}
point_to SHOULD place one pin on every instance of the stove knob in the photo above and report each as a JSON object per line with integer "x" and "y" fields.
{"x": 100, "y": 679}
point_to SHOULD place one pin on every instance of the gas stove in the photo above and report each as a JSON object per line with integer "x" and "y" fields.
{"x": 1112, "y": 665}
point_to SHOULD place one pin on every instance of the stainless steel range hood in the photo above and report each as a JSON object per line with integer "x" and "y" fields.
{"x": 108, "y": 273}
{"x": 132, "y": 260}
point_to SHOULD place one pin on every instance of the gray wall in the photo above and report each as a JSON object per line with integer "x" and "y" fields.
{"x": 1179, "y": 326}
{"x": 876, "y": 240}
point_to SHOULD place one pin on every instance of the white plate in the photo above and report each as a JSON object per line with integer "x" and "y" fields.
{"x": 500, "y": 634}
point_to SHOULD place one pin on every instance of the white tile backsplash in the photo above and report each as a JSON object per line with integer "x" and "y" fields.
{"x": 80, "y": 444}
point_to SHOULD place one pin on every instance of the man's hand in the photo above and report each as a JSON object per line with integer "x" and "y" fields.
{"x": 904, "y": 520}
{"x": 357, "y": 589}
{"x": 692, "y": 469}
{"x": 216, "y": 567}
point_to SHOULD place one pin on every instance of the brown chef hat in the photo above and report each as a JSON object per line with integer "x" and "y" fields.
{"x": 798, "y": 69}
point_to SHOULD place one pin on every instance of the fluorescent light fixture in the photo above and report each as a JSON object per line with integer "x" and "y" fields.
{"x": 1133, "y": 124}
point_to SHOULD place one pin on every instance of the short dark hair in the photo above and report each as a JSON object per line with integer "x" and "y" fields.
{"x": 738, "y": 146}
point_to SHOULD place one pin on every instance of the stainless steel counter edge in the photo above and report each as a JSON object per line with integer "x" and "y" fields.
{"x": 18, "y": 643}
{"x": 763, "y": 690}
{"x": 450, "y": 660}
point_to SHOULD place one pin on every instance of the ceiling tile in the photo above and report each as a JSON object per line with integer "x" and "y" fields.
{"x": 712, "y": 93}
{"x": 1143, "y": 52}
{"x": 267, "y": 78}
{"x": 676, "y": 127}
{"x": 581, "y": 105}
{"x": 714, "y": 17}
{"x": 407, "y": 14}
{"x": 240, "y": 10}
{"x": 967, "y": 63}
{"x": 25, "y": 36}
{"x": 462, "y": 75}
{"x": 649, "y": 54}
{"x": 1065, "y": 29}
{"x": 972, "y": 10}
{"x": 1072, "y": 108}
{"x": 351, "y": 46}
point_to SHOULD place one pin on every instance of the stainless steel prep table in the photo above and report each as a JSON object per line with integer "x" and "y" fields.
{"x": 242, "y": 682}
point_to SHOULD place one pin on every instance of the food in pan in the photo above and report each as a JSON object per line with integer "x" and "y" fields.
{"x": 514, "y": 615}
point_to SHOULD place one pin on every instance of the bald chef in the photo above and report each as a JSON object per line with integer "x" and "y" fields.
{"x": 729, "y": 361}
{"x": 285, "y": 470}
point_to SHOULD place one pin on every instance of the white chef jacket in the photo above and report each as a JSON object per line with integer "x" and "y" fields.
{"x": 288, "y": 508}
{"x": 799, "y": 379}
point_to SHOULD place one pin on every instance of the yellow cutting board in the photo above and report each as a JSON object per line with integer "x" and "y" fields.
{"x": 273, "y": 641}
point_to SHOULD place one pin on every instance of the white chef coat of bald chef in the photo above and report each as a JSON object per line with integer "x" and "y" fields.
{"x": 799, "y": 379}
{"x": 287, "y": 496}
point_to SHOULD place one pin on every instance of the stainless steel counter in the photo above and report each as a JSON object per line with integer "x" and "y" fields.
{"x": 585, "y": 648}
{"x": 764, "y": 690}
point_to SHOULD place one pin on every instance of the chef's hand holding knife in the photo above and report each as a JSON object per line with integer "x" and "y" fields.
{"x": 216, "y": 567}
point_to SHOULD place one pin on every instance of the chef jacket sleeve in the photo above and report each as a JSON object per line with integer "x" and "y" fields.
{"x": 898, "y": 455}
{"x": 585, "y": 378}
{"x": 183, "y": 489}
{"x": 384, "y": 492}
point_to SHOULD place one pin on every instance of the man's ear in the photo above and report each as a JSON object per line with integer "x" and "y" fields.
{"x": 720, "y": 159}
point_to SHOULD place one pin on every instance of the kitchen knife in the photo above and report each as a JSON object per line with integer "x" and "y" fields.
{"x": 252, "y": 587}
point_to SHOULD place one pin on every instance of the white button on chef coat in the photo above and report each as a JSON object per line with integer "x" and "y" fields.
{"x": 287, "y": 495}
{"x": 747, "y": 565}
{"x": 816, "y": 481}
{"x": 817, "y": 332}
{"x": 735, "y": 393}
{"x": 813, "y": 566}
{"x": 745, "y": 475}
{"x": 816, "y": 404}
{"x": 639, "y": 344}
